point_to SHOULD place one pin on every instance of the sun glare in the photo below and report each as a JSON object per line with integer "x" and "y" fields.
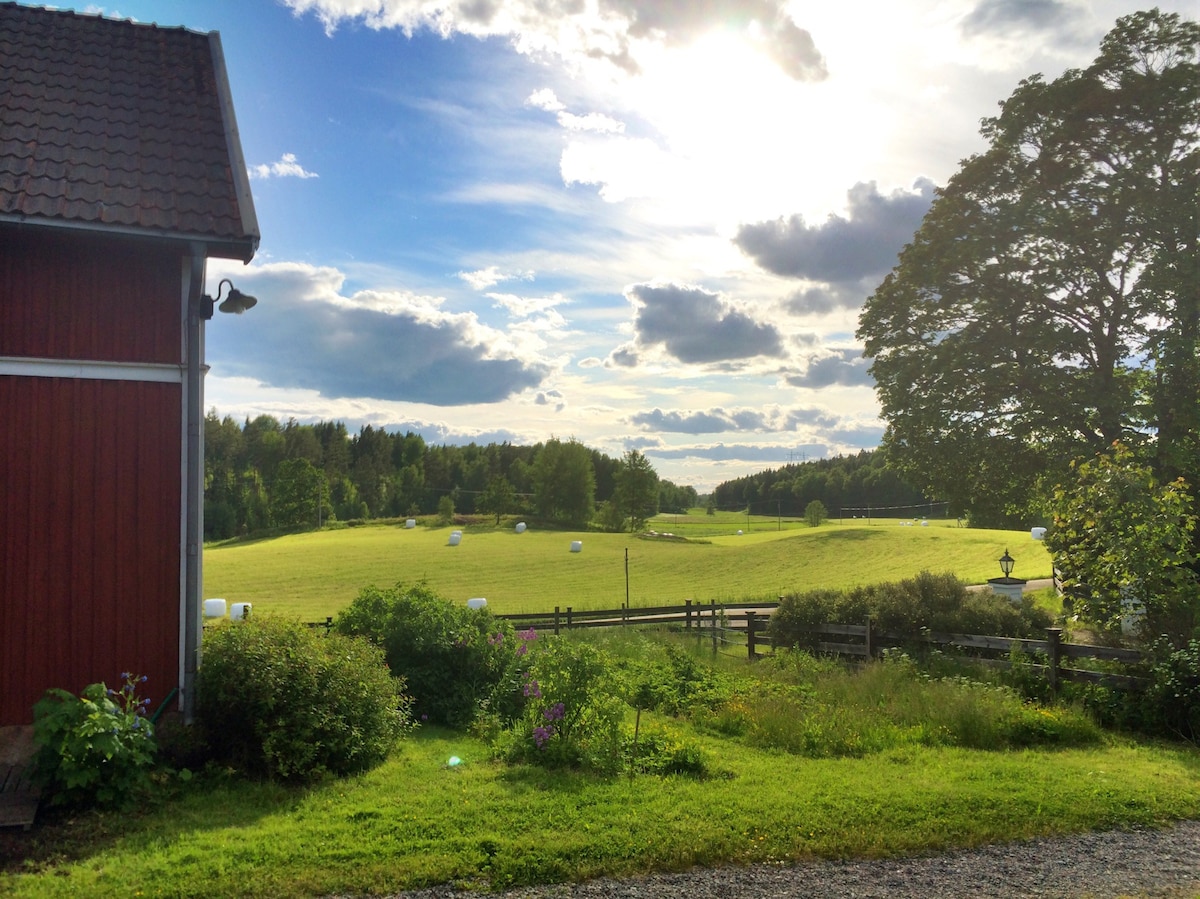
{"x": 737, "y": 134}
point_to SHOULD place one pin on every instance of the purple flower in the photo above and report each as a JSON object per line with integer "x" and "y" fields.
{"x": 528, "y": 635}
{"x": 532, "y": 689}
{"x": 554, "y": 713}
{"x": 497, "y": 639}
{"x": 542, "y": 735}
{"x": 522, "y": 649}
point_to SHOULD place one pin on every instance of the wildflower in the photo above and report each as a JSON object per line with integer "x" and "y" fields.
{"x": 554, "y": 713}
{"x": 497, "y": 639}
{"x": 522, "y": 649}
{"x": 542, "y": 735}
{"x": 528, "y": 635}
{"x": 532, "y": 689}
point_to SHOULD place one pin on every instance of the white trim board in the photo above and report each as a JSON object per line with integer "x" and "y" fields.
{"x": 85, "y": 369}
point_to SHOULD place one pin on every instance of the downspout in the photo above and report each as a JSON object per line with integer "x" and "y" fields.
{"x": 195, "y": 478}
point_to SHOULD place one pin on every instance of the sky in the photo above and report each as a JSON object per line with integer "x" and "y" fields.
{"x": 642, "y": 224}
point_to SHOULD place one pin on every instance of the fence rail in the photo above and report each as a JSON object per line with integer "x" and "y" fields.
{"x": 719, "y": 623}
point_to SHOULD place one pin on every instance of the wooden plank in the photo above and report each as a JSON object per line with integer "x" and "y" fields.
{"x": 1107, "y": 653}
{"x": 846, "y": 630}
{"x": 845, "y": 649}
{"x": 19, "y": 797}
{"x": 1120, "y": 681}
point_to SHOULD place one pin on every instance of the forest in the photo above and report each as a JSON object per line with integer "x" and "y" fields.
{"x": 857, "y": 485}
{"x": 262, "y": 474}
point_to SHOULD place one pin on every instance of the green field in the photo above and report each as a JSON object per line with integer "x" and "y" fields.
{"x": 316, "y": 574}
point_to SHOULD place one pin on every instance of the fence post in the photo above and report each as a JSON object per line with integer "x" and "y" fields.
{"x": 687, "y": 614}
{"x": 624, "y": 614}
{"x": 328, "y": 624}
{"x": 714, "y": 628}
{"x": 870, "y": 648}
{"x": 556, "y": 621}
{"x": 1054, "y": 648}
{"x": 750, "y": 642}
{"x": 568, "y": 617}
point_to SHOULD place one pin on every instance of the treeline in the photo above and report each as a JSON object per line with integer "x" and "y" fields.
{"x": 844, "y": 484}
{"x": 264, "y": 474}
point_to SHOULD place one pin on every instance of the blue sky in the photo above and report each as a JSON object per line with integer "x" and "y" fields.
{"x": 639, "y": 223}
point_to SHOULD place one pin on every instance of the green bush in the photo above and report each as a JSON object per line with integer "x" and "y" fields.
{"x": 659, "y": 752}
{"x": 573, "y": 713}
{"x": 927, "y": 602}
{"x": 96, "y": 748}
{"x": 1172, "y": 702}
{"x": 452, "y": 658}
{"x": 277, "y": 698}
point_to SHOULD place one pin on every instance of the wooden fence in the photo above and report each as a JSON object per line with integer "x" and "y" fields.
{"x": 737, "y": 623}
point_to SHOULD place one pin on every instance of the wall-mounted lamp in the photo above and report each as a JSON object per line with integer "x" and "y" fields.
{"x": 235, "y": 302}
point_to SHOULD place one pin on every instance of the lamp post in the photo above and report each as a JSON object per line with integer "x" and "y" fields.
{"x": 1009, "y": 586}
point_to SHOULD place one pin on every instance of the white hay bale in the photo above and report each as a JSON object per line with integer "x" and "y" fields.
{"x": 240, "y": 611}
{"x": 411, "y": 523}
{"x": 576, "y": 546}
{"x": 477, "y": 602}
{"x": 520, "y": 527}
{"x": 214, "y": 608}
{"x": 455, "y": 538}
{"x": 1037, "y": 533}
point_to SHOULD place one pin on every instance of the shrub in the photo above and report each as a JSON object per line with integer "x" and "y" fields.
{"x": 790, "y": 624}
{"x": 927, "y": 602}
{"x": 815, "y": 513}
{"x": 451, "y": 657}
{"x": 573, "y": 714}
{"x": 1173, "y": 699}
{"x": 658, "y": 752}
{"x": 95, "y": 748}
{"x": 279, "y": 699}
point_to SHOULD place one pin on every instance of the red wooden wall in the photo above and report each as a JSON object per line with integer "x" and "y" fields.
{"x": 64, "y": 297}
{"x": 90, "y": 472}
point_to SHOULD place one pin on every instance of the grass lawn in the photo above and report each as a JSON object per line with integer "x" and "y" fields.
{"x": 414, "y": 821}
{"x": 313, "y": 575}
{"x": 805, "y": 758}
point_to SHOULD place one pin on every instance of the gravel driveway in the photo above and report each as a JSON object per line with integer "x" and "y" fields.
{"x": 1140, "y": 863}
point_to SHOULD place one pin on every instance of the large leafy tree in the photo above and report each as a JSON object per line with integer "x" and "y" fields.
{"x": 564, "y": 482}
{"x": 1049, "y": 305}
{"x": 498, "y": 499}
{"x": 636, "y": 489}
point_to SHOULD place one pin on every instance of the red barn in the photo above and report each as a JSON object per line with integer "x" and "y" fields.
{"x": 121, "y": 173}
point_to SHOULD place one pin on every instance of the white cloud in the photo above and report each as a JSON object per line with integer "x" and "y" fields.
{"x": 286, "y": 167}
{"x": 545, "y": 99}
{"x": 615, "y": 33}
{"x": 593, "y": 121}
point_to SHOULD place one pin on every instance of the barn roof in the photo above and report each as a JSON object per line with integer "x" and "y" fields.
{"x": 119, "y": 127}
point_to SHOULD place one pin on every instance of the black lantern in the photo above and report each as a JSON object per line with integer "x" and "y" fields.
{"x": 1006, "y": 563}
{"x": 235, "y": 301}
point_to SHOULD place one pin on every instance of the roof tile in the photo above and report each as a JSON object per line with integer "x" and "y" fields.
{"x": 109, "y": 122}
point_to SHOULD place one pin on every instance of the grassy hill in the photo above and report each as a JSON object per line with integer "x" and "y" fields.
{"x": 316, "y": 574}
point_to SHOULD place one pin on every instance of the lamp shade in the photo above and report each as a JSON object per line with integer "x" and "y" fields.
{"x": 1006, "y": 563}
